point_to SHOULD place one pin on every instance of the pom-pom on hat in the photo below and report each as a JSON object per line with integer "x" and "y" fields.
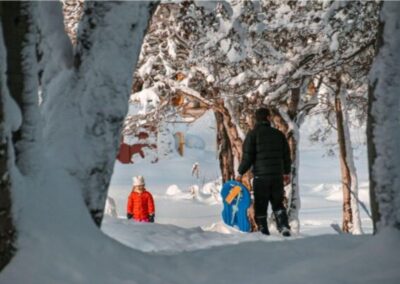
{"x": 138, "y": 180}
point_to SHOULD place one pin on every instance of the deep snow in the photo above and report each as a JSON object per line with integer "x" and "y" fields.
{"x": 58, "y": 242}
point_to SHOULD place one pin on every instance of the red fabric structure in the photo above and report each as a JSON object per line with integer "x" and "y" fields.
{"x": 124, "y": 154}
{"x": 127, "y": 151}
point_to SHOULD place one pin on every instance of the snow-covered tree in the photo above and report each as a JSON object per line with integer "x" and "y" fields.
{"x": 163, "y": 57}
{"x": 222, "y": 55}
{"x": 69, "y": 141}
{"x": 267, "y": 52}
{"x": 384, "y": 123}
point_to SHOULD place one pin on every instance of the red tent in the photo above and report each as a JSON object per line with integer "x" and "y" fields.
{"x": 127, "y": 151}
{"x": 125, "y": 154}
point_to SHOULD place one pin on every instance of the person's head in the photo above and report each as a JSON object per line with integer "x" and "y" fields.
{"x": 138, "y": 183}
{"x": 262, "y": 114}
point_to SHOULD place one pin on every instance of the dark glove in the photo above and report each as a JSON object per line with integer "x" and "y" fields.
{"x": 151, "y": 218}
{"x": 128, "y": 216}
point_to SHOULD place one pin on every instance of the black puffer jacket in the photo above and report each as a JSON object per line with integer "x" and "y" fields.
{"x": 267, "y": 150}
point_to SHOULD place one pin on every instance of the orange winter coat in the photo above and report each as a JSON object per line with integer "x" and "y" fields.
{"x": 140, "y": 205}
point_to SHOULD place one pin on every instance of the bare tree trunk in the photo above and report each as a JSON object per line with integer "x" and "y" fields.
{"x": 236, "y": 142}
{"x": 356, "y": 218}
{"x": 347, "y": 221}
{"x": 231, "y": 130}
{"x": 293, "y": 140}
{"x": 224, "y": 150}
{"x": 286, "y": 122}
{"x": 281, "y": 124}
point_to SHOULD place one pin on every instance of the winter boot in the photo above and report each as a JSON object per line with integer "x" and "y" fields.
{"x": 282, "y": 223}
{"x": 262, "y": 225}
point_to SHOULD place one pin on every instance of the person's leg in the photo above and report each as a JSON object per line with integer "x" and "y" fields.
{"x": 277, "y": 199}
{"x": 261, "y": 204}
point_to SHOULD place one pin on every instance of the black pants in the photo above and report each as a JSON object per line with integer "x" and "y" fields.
{"x": 268, "y": 189}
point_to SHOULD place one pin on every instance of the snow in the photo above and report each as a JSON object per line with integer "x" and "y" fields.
{"x": 385, "y": 77}
{"x": 146, "y": 97}
{"x": 334, "y": 45}
{"x": 85, "y": 106}
{"x": 59, "y": 243}
{"x": 239, "y": 79}
{"x": 110, "y": 208}
{"x": 173, "y": 190}
{"x": 146, "y": 68}
{"x": 55, "y": 44}
{"x": 13, "y": 116}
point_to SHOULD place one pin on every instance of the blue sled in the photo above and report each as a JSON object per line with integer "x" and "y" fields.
{"x": 235, "y": 214}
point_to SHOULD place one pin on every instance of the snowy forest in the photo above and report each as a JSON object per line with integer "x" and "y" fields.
{"x": 95, "y": 93}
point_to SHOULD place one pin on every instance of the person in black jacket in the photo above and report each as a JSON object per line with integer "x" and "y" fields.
{"x": 266, "y": 151}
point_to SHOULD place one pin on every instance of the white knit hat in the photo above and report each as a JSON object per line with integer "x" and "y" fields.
{"x": 138, "y": 180}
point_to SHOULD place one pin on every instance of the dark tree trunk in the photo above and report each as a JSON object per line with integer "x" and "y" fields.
{"x": 15, "y": 20}
{"x": 235, "y": 141}
{"x": 370, "y": 143}
{"x": 293, "y": 144}
{"x": 225, "y": 151}
{"x": 292, "y": 198}
{"x": 7, "y": 228}
{"x": 371, "y": 159}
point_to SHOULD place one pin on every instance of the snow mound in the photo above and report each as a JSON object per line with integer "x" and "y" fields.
{"x": 173, "y": 190}
{"x": 221, "y": 228}
{"x": 111, "y": 207}
{"x": 209, "y": 194}
{"x": 331, "y": 192}
{"x": 195, "y": 142}
{"x": 325, "y": 188}
{"x": 162, "y": 238}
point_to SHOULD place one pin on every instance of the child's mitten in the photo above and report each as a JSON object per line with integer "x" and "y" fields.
{"x": 151, "y": 218}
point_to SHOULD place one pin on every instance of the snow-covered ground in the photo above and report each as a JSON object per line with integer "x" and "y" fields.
{"x": 189, "y": 244}
{"x": 188, "y": 208}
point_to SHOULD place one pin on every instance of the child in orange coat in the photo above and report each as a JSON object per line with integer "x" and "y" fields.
{"x": 140, "y": 202}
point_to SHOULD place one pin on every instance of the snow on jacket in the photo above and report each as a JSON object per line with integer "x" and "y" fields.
{"x": 266, "y": 150}
{"x": 140, "y": 205}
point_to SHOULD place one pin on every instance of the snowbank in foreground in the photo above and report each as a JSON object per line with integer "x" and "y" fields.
{"x": 90, "y": 257}
{"x": 172, "y": 239}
